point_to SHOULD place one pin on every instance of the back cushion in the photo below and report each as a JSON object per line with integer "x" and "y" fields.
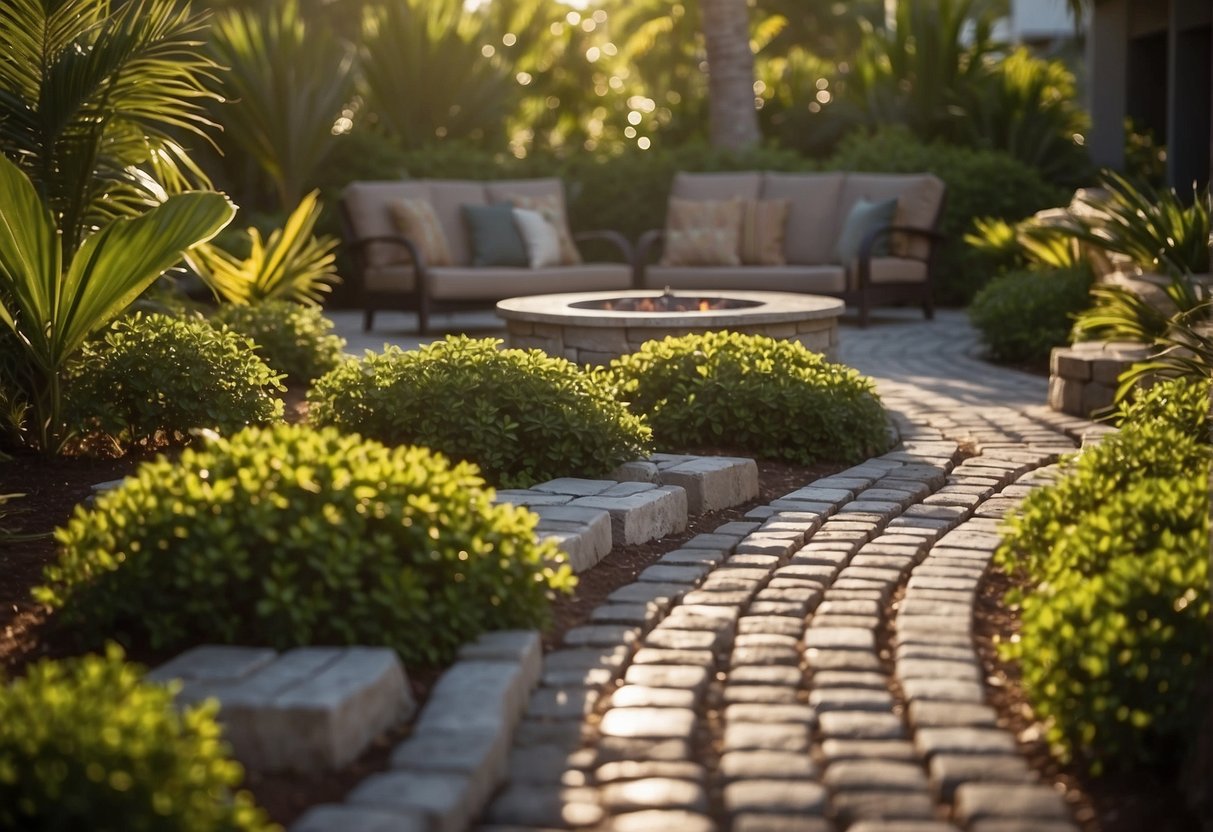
{"x": 918, "y": 195}
{"x": 368, "y": 205}
{"x": 716, "y": 186}
{"x": 814, "y": 217}
{"x": 449, "y": 196}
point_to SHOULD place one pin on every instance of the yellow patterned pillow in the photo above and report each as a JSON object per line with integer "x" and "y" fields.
{"x": 702, "y": 232}
{"x": 416, "y": 220}
{"x": 762, "y": 230}
{"x": 552, "y": 209}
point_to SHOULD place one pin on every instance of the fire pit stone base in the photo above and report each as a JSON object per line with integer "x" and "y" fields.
{"x": 596, "y": 336}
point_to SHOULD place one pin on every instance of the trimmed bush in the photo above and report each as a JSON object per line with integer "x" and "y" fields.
{"x": 775, "y": 398}
{"x": 85, "y": 743}
{"x": 981, "y": 183}
{"x": 521, "y": 415}
{"x": 291, "y": 536}
{"x": 1114, "y": 642}
{"x": 156, "y": 377}
{"x": 1023, "y": 315}
{"x": 294, "y": 339}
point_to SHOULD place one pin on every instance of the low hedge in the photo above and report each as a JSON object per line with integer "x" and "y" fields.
{"x": 85, "y": 743}
{"x": 1022, "y": 315}
{"x": 520, "y": 415}
{"x": 1113, "y": 562}
{"x": 293, "y": 338}
{"x": 291, "y": 536}
{"x": 773, "y": 397}
{"x": 154, "y": 378}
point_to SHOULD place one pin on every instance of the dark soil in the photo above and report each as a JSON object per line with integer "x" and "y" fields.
{"x": 54, "y": 486}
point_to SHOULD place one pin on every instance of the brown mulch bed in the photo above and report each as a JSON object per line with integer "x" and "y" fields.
{"x": 1125, "y": 803}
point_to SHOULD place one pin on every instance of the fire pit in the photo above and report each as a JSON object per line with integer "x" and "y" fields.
{"x": 595, "y": 327}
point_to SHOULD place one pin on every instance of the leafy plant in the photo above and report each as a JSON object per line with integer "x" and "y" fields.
{"x": 1029, "y": 243}
{"x": 521, "y": 415}
{"x": 1114, "y": 561}
{"x": 775, "y": 398}
{"x": 53, "y": 303}
{"x": 1022, "y": 315}
{"x": 292, "y": 338}
{"x": 406, "y": 45}
{"x": 288, "y": 79}
{"x": 291, "y": 265}
{"x": 1155, "y": 229}
{"x": 292, "y": 536}
{"x": 156, "y": 378}
{"x": 86, "y": 743}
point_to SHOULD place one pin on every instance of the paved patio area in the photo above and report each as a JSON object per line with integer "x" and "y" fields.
{"x": 812, "y": 669}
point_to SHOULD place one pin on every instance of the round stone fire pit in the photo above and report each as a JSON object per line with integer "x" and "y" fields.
{"x": 595, "y": 327}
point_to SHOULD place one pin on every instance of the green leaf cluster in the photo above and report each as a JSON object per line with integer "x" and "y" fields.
{"x": 86, "y": 743}
{"x": 1114, "y": 645}
{"x": 522, "y": 416}
{"x": 290, "y": 536}
{"x": 155, "y": 378}
{"x": 775, "y": 398}
{"x": 292, "y": 338}
{"x": 1022, "y": 315}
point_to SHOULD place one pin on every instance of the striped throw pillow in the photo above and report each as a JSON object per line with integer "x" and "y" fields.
{"x": 417, "y": 220}
{"x": 762, "y": 230}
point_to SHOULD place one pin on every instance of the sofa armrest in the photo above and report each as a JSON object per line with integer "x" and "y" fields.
{"x": 616, "y": 239}
{"x": 358, "y": 248}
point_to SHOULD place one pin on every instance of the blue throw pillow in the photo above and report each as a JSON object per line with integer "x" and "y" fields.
{"x": 494, "y": 237}
{"x": 865, "y": 217}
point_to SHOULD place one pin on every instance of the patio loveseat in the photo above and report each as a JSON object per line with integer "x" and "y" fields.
{"x": 866, "y": 238}
{"x": 445, "y": 263}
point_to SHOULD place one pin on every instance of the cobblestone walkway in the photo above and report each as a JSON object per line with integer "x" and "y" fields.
{"x": 813, "y": 668}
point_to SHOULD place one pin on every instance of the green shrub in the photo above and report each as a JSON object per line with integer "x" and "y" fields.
{"x": 1023, "y": 315}
{"x": 154, "y": 377}
{"x": 1115, "y": 648}
{"x": 85, "y": 743}
{"x": 291, "y": 536}
{"x": 520, "y": 415}
{"x": 775, "y": 398}
{"x": 294, "y": 339}
{"x": 981, "y": 183}
{"x": 1113, "y": 559}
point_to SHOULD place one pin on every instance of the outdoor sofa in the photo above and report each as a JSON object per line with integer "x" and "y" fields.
{"x": 429, "y": 245}
{"x": 866, "y": 238}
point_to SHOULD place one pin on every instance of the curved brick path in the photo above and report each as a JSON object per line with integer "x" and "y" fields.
{"x": 812, "y": 668}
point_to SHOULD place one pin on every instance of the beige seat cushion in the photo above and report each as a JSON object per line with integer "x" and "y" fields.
{"x": 763, "y": 223}
{"x": 392, "y": 278}
{"x": 368, "y": 206}
{"x": 702, "y": 232}
{"x": 732, "y": 185}
{"x": 416, "y": 219}
{"x": 918, "y": 195}
{"x": 827, "y": 278}
{"x": 897, "y": 270}
{"x": 495, "y": 283}
{"x": 813, "y": 213}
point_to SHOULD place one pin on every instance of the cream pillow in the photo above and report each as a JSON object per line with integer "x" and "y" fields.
{"x": 417, "y": 220}
{"x": 540, "y": 236}
{"x": 551, "y": 206}
{"x": 702, "y": 232}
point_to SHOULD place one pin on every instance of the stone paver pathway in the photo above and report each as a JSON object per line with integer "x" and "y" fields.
{"x": 813, "y": 668}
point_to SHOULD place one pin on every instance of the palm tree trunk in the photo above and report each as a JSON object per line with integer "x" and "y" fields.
{"x": 732, "y": 118}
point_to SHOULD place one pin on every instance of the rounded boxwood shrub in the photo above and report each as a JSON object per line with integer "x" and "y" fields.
{"x": 521, "y": 415}
{"x": 1022, "y": 315}
{"x": 291, "y": 536}
{"x": 293, "y": 338}
{"x": 774, "y": 398}
{"x": 156, "y": 377}
{"x": 85, "y": 743}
